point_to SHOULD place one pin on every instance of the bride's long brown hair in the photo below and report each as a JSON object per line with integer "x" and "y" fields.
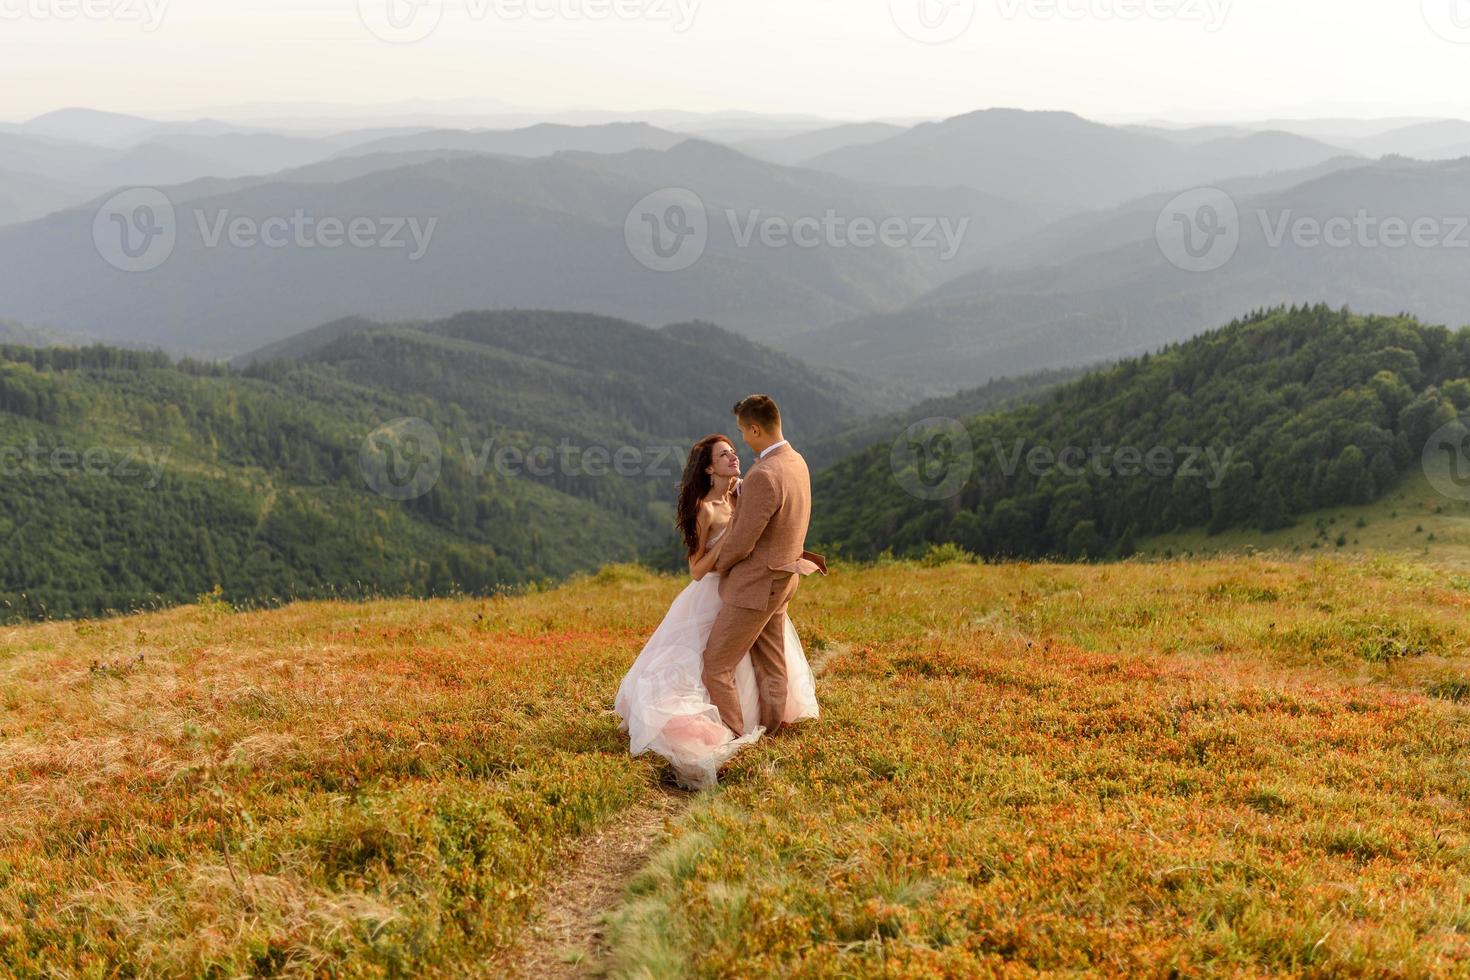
{"x": 694, "y": 486}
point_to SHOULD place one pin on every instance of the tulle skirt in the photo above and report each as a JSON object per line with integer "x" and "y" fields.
{"x": 666, "y": 709}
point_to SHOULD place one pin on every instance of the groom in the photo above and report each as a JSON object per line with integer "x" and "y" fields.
{"x": 760, "y": 565}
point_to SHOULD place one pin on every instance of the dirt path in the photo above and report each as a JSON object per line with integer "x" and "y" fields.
{"x": 570, "y": 940}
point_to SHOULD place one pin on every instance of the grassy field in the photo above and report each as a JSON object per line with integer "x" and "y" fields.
{"x": 1413, "y": 520}
{"x": 1236, "y": 766}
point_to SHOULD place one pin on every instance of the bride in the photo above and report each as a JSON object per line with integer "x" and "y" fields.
{"x": 663, "y": 702}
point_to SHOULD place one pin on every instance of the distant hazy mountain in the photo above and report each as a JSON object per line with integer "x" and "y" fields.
{"x": 111, "y": 129}
{"x": 731, "y": 127}
{"x": 1339, "y": 131}
{"x": 27, "y": 196}
{"x": 1456, "y": 152}
{"x": 239, "y": 153}
{"x": 1191, "y": 135}
{"x": 1127, "y": 298}
{"x": 89, "y": 126}
{"x": 1091, "y": 232}
{"x": 534, "y": 141}
{"x": 1059, "y": 158}
{"x": 52, "y": 158}
{"x": 164, "y": 158}
{"x": 149, "y": 154}
{"x": 488, "y": 113}
{"x": 791, "y": 150}
{"x": 506, "y": 233}
{"x": 1256, "y": 154}
{"x": 12, "y": 332}
{"x": 333, "y": 171}
{"x": 1442, "y": 140}
{"x": 993, "y": 396}
{"x": 727, "y": 179}
{"x": 104, "y": 150}
{"x": 16, "y": 333}
{"x": 157, "y": 164}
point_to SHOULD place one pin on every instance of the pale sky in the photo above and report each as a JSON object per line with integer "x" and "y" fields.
{"x": 1200, "y": 59}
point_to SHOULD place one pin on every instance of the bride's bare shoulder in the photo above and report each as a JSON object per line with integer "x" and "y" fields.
{"x": 714, "y": 507}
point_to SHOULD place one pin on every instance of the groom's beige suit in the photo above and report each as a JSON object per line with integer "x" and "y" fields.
{"x": 762, "y": 560}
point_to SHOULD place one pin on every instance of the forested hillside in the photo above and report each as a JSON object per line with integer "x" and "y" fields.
{"x": 1273, "y": 416}
{"x": 130, "y": 480}
{"x": 993, "y": 396}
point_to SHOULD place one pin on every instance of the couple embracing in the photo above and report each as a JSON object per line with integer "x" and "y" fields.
{"x": 725, "y": 666}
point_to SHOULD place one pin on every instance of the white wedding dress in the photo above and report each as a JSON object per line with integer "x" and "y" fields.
{"x": 666, "y": 709}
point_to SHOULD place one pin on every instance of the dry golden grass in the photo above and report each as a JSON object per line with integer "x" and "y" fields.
{"x": 1237, "y": 766}
{"x": 1224, "y": 767}
{"x": 360, "y": 790}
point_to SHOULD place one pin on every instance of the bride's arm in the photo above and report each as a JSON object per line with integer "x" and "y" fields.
{"x": 702, "y": 562}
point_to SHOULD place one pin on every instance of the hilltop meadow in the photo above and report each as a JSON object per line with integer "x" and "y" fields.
{"x": 351, "y": 452}
{"x": 1242, "y": 765}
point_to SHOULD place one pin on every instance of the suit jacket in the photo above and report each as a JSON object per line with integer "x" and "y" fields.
{"x": 767, "y": 539}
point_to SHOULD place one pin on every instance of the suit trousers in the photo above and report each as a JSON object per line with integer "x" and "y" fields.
{"x": 762, "y": 634}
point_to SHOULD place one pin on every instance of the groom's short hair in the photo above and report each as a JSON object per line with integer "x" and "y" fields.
{"x": 761, "y": 410}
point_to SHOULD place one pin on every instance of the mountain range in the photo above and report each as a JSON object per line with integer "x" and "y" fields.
{"x": 533, "y": 141}
{"x": 1106, "y": 289}
{"x": 162, "y": 155}
{"x": 1027, "y": 238}
{"x": 505, "y": 233}
{"x": 1062, "y": 160}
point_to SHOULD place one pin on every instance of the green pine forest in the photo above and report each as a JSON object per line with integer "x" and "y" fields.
{"x": 1303, "y": 409}
{"x": 262, "y": 492}
{"x": 133, "y": 481}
